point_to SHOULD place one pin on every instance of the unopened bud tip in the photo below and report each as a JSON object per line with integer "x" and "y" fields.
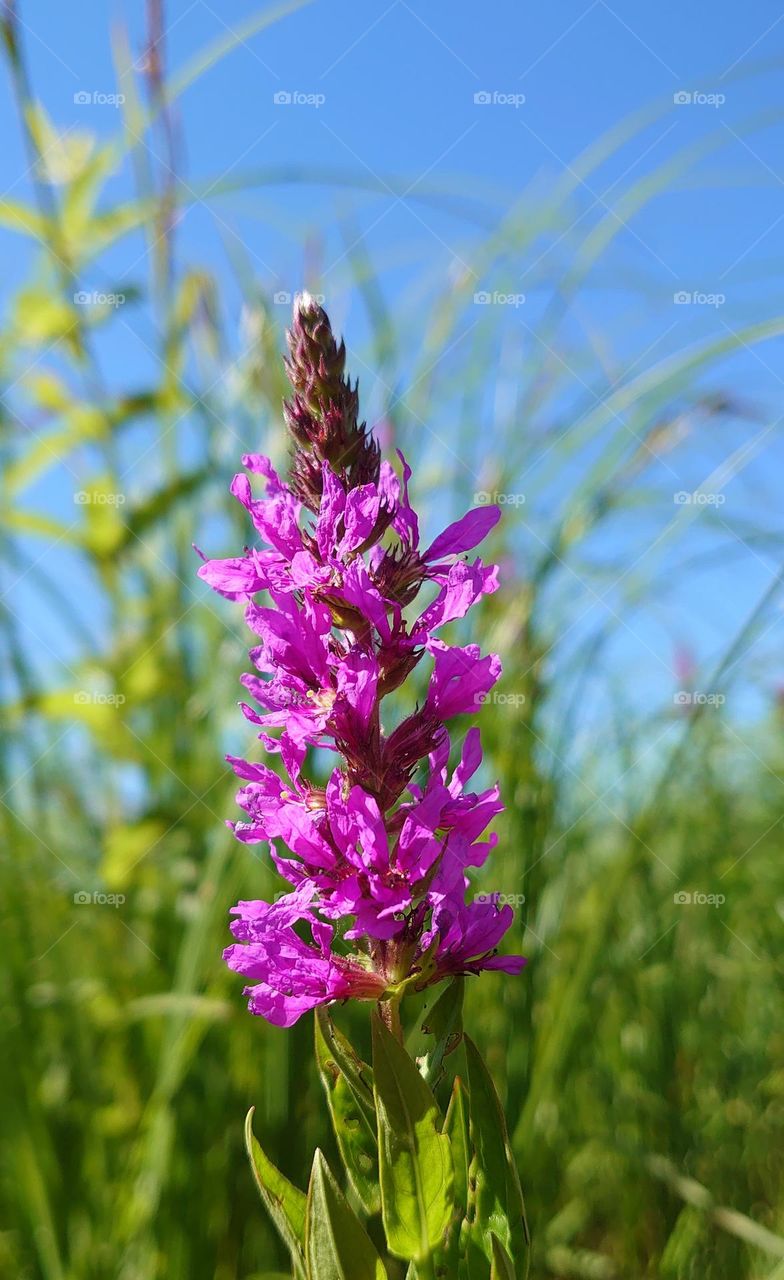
{"x": 305, "y": 302}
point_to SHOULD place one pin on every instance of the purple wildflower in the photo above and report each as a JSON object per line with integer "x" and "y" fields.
{"x": 377, "y": 859}
{"x": 290, "y": 975}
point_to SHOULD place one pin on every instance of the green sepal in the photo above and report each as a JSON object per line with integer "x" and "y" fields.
{"x": 284, "y": 1202}
{"x": 415, "y": 1160}
{"x": 337, "y": 1246}
{"x": 495, "y": 1198}
{"x": 445, "y": 1023}
{"x": 348, "y": 1084}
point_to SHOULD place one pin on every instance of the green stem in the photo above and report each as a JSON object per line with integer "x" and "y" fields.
{"x": 389, "y": 1011}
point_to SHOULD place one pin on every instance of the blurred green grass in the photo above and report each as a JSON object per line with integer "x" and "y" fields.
{"x": 641, "y": 1053}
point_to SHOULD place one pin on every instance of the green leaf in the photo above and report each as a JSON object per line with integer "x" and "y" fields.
{"x": 15, "y": 216}
{"x": 62, "y": 155}
{"x": 445, "y": 1022}
{"x": 337, "y": 1246}
{"x": 83, "y": 426}
{"x": 347, "y": 1083}
{"x": 456, "y": 1129}
{"x": 357, "y": 1072}
{"x": 495, "y": 1197}
{"x": 503, "y": 1267}
{"x": 285, "y": 1203}
{"x": 43, "y": 318}
{"x": 80, "y": 198}
{"x": 415, "y": 1161}
{"x": 40, "y": 525}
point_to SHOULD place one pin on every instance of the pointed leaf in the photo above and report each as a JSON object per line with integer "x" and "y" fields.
{"x": 445, "y": 1023}
{"x": 503, "y": 1267}
{"x": 415, "y": 1161}
{"x": 357, "y": 1072}
{"x": 456, "y": 1129}
{"x": 353, "y": 1113}
{"x": 495, "y": 1196}
{"x": 337, "y": 1245}
{"x": 284, "y": 1202}
{"x": 16, "y": 216}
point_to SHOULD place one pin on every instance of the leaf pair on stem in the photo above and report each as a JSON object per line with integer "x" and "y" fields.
{"x": 445, "y": 1187}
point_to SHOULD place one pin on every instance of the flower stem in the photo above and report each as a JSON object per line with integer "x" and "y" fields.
{"x": 389, "y": 1011}
{"x": 426, "y": 1270}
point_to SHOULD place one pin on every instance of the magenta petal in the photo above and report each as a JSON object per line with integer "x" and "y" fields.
{"x": 470, "y": 761}
{"x": 261, "y": 465}
{"x": 464, "y": 585}
{"x": 360, "y": 517}
{"x": 405, "y": 523}
{"x": 461, "y": 680}
{"x": 333, "y": 502}
{"x": 357, "y": 682}
{"x": 464, "y": 534}
{"x": 508, "y": 964}
{"x": 237, "y": 578}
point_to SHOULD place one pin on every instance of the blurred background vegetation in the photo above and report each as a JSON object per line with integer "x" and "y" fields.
{"x": 641, "y": 1055}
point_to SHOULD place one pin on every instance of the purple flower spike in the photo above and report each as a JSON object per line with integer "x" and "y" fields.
{"x": 378, "y": 858}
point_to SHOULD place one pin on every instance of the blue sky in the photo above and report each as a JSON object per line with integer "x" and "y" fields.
{"x": 398, "y": 84}
{"x": 389, "y": 103}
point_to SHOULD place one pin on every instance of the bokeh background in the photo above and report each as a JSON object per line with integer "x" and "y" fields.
{"x": 552, "y": 238}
